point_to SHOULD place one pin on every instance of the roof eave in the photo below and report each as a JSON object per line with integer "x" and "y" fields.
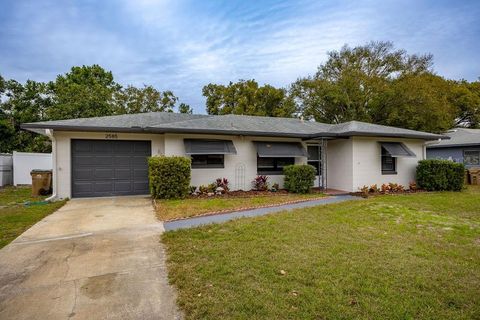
{"x": 438, "y": 146}
{"x": 427, "y": 137}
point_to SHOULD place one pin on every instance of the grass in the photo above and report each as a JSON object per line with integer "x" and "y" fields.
{"x": 16, "y": 217}
{"x": 175, "y": 209}
{"x": 390, "y": 257}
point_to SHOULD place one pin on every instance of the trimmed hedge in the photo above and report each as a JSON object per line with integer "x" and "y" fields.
{"x": 299, "y": 178}
{"x": 169, "y": 177}
{"x": 440, "y": 175}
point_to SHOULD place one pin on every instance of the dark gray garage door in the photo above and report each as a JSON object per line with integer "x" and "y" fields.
{"x": 109, "y": 167}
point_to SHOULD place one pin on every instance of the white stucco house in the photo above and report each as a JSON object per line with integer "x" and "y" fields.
{"x": 107, "y": 156}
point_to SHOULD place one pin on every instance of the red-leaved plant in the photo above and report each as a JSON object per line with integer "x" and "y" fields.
{"x": 222, "y": 183}
{"x": 260, "y": 183}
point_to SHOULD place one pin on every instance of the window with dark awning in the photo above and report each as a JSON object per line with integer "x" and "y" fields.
{"x": 397, "y": 149}
{"x": 280, "y": 149}
{"x": 199, "y": 146}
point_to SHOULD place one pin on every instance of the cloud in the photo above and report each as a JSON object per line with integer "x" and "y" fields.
{"x": 184, "y": 44}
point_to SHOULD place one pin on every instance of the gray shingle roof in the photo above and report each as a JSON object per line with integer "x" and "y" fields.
{"x": 459, "y": 137}
{"x": 162, "y": 122}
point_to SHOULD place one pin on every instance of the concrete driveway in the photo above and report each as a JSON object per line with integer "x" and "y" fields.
{"x": 92, "y": 259}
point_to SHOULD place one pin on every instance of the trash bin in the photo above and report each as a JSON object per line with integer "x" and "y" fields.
{"x": 474, "y": 175}
{"x": 41, "y": 182}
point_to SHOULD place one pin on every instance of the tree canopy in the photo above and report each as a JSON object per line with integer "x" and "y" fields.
{"x": 86, "y": 91}
{"x": 380, "y": 84}
{"x": 247, "y": 97}
{"x": 374, "y": 83}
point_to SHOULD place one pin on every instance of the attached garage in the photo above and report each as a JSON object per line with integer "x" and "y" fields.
{"x": 103, "y": 168}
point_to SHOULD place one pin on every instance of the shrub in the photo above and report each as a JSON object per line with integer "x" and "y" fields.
{"x": 222, "y": 183}
{"x": 440, "y": 175}
{"x": 374, "y": 189}
{"x": 169, "y": 177}
{"x": 203, "y": 189}
{"x": 299, "y": 178}
{"x": 260, "y": 183}
{"x": 364, "y": 191}
{"x": 412, "y": 186}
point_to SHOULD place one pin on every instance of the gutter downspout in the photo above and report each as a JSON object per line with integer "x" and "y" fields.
{"x": 49, "y": 133}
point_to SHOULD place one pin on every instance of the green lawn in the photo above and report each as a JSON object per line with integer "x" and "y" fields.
{"x": 389, "y": 257}
{"x": 175, "y": 209}
{"x": 16, "y": 217}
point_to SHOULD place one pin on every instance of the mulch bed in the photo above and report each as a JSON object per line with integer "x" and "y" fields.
{"x": 241, "y": 209}
{"x": 245, "y": 194}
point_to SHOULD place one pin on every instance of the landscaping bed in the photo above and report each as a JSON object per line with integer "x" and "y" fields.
{"x": 19, "y": 211}
{"x": 202, "y": 204}
{"x": 408, "y": 256}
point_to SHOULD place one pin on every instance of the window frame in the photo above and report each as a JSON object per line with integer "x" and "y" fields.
{"x": 471, "y": 150}
{"x": 385, "y": 155}
{"x": 276, "y": 170}
{"x": 315, "y": 163}
{"x": 207, "y": 165}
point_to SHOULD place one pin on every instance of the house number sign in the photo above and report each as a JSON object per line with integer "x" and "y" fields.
{"x": 111, "y": 136}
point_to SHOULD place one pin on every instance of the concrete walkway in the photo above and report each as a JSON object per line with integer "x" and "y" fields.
{"x": 92, "y": 259}
{"x": 195, "y": 222}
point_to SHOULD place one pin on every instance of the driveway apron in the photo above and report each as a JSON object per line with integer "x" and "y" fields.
{"x": 92, "y": 259}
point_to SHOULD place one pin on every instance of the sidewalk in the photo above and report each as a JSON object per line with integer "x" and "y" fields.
{"x": 198, "y": 221}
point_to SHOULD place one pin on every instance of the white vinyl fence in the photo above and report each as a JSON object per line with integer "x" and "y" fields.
{"x": 24, "y": 162}
{"x": 6, "y": 169}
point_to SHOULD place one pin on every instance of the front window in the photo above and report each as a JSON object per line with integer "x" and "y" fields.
{"x": 388, "y": 163}
{"x": 471, "y": 157}
{"x": 205, "y": 161}
{"x": 314, "y": 158}
{"x": 266, "y": 165}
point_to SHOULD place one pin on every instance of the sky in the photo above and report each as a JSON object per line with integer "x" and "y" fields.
{"x": 182, "y": 45}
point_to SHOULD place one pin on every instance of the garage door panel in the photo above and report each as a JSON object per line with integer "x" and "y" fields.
{"x": 139, "y": 160}
{"x": 83, "y": 160}
{"x": 102, "y": 146}
{"x": 102, "y": 160}
{"x": 141, "y": 187}
{"x": 83, "y": 187}
{"x": 122, "y": 160}
{"x": 142, "y": 148}
{"x": 104, "y": 173}
{"x": 109, "y": 167}
{"x": 140, "y": 174}
{"x": 103, "y": 186}
{"x": 82, "y": 146}
{"x": 84, "y": 174}
{"x": 123, "y": 185}
{"x": 124, "y": 147}
{"x": 123, "y": 174}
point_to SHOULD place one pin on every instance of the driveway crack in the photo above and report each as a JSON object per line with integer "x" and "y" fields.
{"x": 72, "y": 312}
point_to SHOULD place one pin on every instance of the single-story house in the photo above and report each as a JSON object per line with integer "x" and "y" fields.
{"x": 106, "y": 156}
{"x": 462, "y": 147}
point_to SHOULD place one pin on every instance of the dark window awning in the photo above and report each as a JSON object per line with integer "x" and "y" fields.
{"x": 280, "y": 149}
{"x": 200, "y": 146}
{"x": 397, "y": 149}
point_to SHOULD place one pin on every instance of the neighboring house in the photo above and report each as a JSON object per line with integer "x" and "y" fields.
{"x": 107, "y": 155}
{"x": 463, "y": 147}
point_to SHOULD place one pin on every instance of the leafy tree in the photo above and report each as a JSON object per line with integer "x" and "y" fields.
{"x": 146, "y": 99}
{"x": 465, "y": 96}
{"x": 418, "y": 102}
{"x": 248, "y": 98}
{"x": 185, "y": 108}
{"x": 85, "y": 91}
{"x": 20, "y": 104}
{"x": 350, "y": 84}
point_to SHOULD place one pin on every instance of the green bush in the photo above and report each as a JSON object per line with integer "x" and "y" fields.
{"x": 440, "y": 175}
{"x": 169, "y": 177}
{"x": 299, "y": 178}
